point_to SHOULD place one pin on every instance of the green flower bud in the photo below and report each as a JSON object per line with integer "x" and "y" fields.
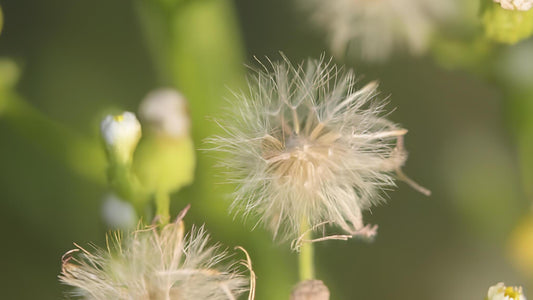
{"x": 166, "y": 159}
{"x": 507, "y": 26}
{"x": 165, "y": 164}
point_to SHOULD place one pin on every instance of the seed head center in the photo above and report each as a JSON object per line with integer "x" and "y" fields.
{"x": 299, "y": 160}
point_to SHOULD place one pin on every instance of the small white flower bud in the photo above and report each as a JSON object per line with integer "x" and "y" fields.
{"x": 310, "y": 290}
{"x": 166, "y": 112}
{"x": 502, "y": 292}
{"x": 516, "y": 4}
{"x": 121, "y": 134}
{"x": 117, "y": 213}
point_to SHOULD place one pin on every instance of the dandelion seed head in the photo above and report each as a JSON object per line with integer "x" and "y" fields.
{"x": 148, "y": 264}
{"x": 305, "y": 144}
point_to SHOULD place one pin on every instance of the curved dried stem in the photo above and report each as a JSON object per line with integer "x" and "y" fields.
{"x": 402, "y": 176}
{"x": 248, "y": 264}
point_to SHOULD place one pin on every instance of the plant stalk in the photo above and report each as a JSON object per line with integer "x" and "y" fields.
{"x": 162, "y": 203}
{"x": 306, "y": 256}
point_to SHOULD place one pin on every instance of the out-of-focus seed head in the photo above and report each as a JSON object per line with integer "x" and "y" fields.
{"x": 154, "y": 264}
{"x": 374, "y": 29}
{"x": 166, "y": 111}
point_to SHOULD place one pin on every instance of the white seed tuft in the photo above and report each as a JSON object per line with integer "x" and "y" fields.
{"x": 154, "y": 264}
{"x": 306, "y": 145}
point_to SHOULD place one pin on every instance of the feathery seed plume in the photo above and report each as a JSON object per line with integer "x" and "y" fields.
{"x": 305, "y": 145}
{"x": 154, "y": 263}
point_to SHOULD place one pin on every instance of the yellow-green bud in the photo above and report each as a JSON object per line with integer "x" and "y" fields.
{"x": 121, "y": 133}
{"x": 520, "y": 246}
{"x": 165, "y": 160}
{"x": 9, "y": 73}
{"x": 507, "y": 26}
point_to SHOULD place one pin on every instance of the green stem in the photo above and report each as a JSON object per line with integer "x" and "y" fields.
{"x": 306, "y": 255}
{"x": 162, "y": 203}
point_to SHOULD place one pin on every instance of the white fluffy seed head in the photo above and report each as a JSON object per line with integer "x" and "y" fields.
{"x": 516, "y": 4}
{"x": 148, "y": 264}
{"x": 305, "y": 145}
{"x": 374, "y": 29}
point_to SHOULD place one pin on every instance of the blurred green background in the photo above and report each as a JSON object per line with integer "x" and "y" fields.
{"x": 78, "y": 59}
